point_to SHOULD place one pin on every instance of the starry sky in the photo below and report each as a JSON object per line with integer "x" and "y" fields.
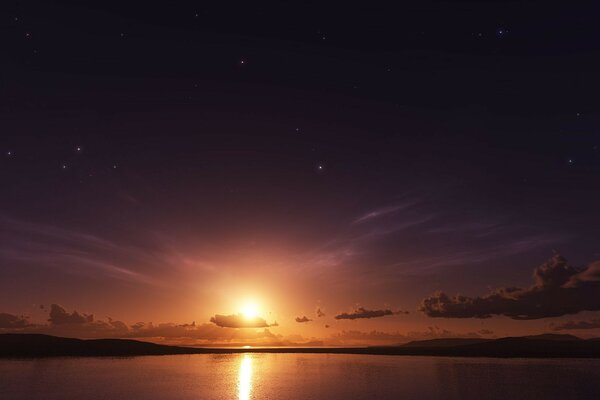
{"x": 359, "y": 173}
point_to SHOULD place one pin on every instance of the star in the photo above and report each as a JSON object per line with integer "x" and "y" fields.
{"x": 27, "y": 35}
{"x": 9, "y": 153}
{"x": 242, "y": 62}
{"x": 64, "y": 166}
{"x": 571, "y": 161}
{"x": 78, "y": 149}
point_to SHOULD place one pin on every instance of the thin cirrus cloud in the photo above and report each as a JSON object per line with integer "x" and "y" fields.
{"x": 558, "y": 289}
{"x": 373, "y": 238}
{"x": 382, "y": 212}
{"x": 505, "y": 248}
{"x": 240, "y": 321}
{"x": 72, "y": 251}
{"x": 363, "y": 313}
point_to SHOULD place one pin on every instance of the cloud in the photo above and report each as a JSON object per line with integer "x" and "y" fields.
{"x": 9, "y": 321}
{"x": 380, "y": 212}
{"x": 63, "y": 323}
{"x": 320, "y": 313}
{"x": 80, "y": 325}
{"x": 303, "y": 319}
{"x": 572, "y": 325}
{"x": 485, "y": 332}
{"x": 558, "y": 289}
{"x": 59, "y": 315}
{"x": 67, "y": 250}
{"x": 239, "y": 321}
{"x": 364, "y": 313}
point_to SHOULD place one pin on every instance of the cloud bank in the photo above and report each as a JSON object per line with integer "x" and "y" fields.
{"x": 239, "y": 321}
{"x": 364, "y": 313}
{"x": 85, "y": 326}
{"x": 558, "y": 289}
{"x": 9, "y": 321}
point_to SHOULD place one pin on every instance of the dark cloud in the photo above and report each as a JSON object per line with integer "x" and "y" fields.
{"x": 59, "y": 315}
{"x": 558, "y": 289}
{"x": 63, "y": 323}
{"x": 303, "y": 319}
{"x": 364, "y": 313}
{"x": 320, "y": 313}
{"x": 9, "y": 321}
{"x": 239, "y": 321}
{"x": 572, "y": 325}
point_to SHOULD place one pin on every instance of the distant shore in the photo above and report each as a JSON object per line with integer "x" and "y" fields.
{"x": 542, "y": 346}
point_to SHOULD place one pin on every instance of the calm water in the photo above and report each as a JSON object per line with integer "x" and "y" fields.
{"x": 298, "y": 376}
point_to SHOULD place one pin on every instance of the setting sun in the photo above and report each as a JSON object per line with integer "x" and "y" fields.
{"x": 250, "y": 310}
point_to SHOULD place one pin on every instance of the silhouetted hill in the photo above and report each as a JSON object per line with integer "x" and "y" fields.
{"x": 33, "y": 345}
{"x": 28, "y": 345}
{"x": 447, "y": 342}
{"x": 554, "y": 336}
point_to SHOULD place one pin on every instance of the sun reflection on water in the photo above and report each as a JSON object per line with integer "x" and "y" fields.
{"x": 245, "y": 378}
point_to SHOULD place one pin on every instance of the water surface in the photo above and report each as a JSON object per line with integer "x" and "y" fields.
{"x": 298, "y": 376}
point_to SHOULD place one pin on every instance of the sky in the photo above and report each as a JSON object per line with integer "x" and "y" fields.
{"x": 299, "y": 173}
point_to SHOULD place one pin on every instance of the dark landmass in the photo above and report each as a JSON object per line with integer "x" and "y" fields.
{"x": 541, "y": 346}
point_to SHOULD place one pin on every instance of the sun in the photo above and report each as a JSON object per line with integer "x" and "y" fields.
{"x": 250, "y": 310}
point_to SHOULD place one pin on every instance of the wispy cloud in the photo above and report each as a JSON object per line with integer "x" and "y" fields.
{"x": 75, "y": 252}
{"x": 382, "y": 212}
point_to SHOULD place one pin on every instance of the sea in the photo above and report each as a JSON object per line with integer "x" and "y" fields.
{"x": 247, "y": 376}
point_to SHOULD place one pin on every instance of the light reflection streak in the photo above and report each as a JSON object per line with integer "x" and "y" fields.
{"x": 245, "y": 378}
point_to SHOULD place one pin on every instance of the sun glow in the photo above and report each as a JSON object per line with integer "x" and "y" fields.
{"x": 250, "y": 310}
